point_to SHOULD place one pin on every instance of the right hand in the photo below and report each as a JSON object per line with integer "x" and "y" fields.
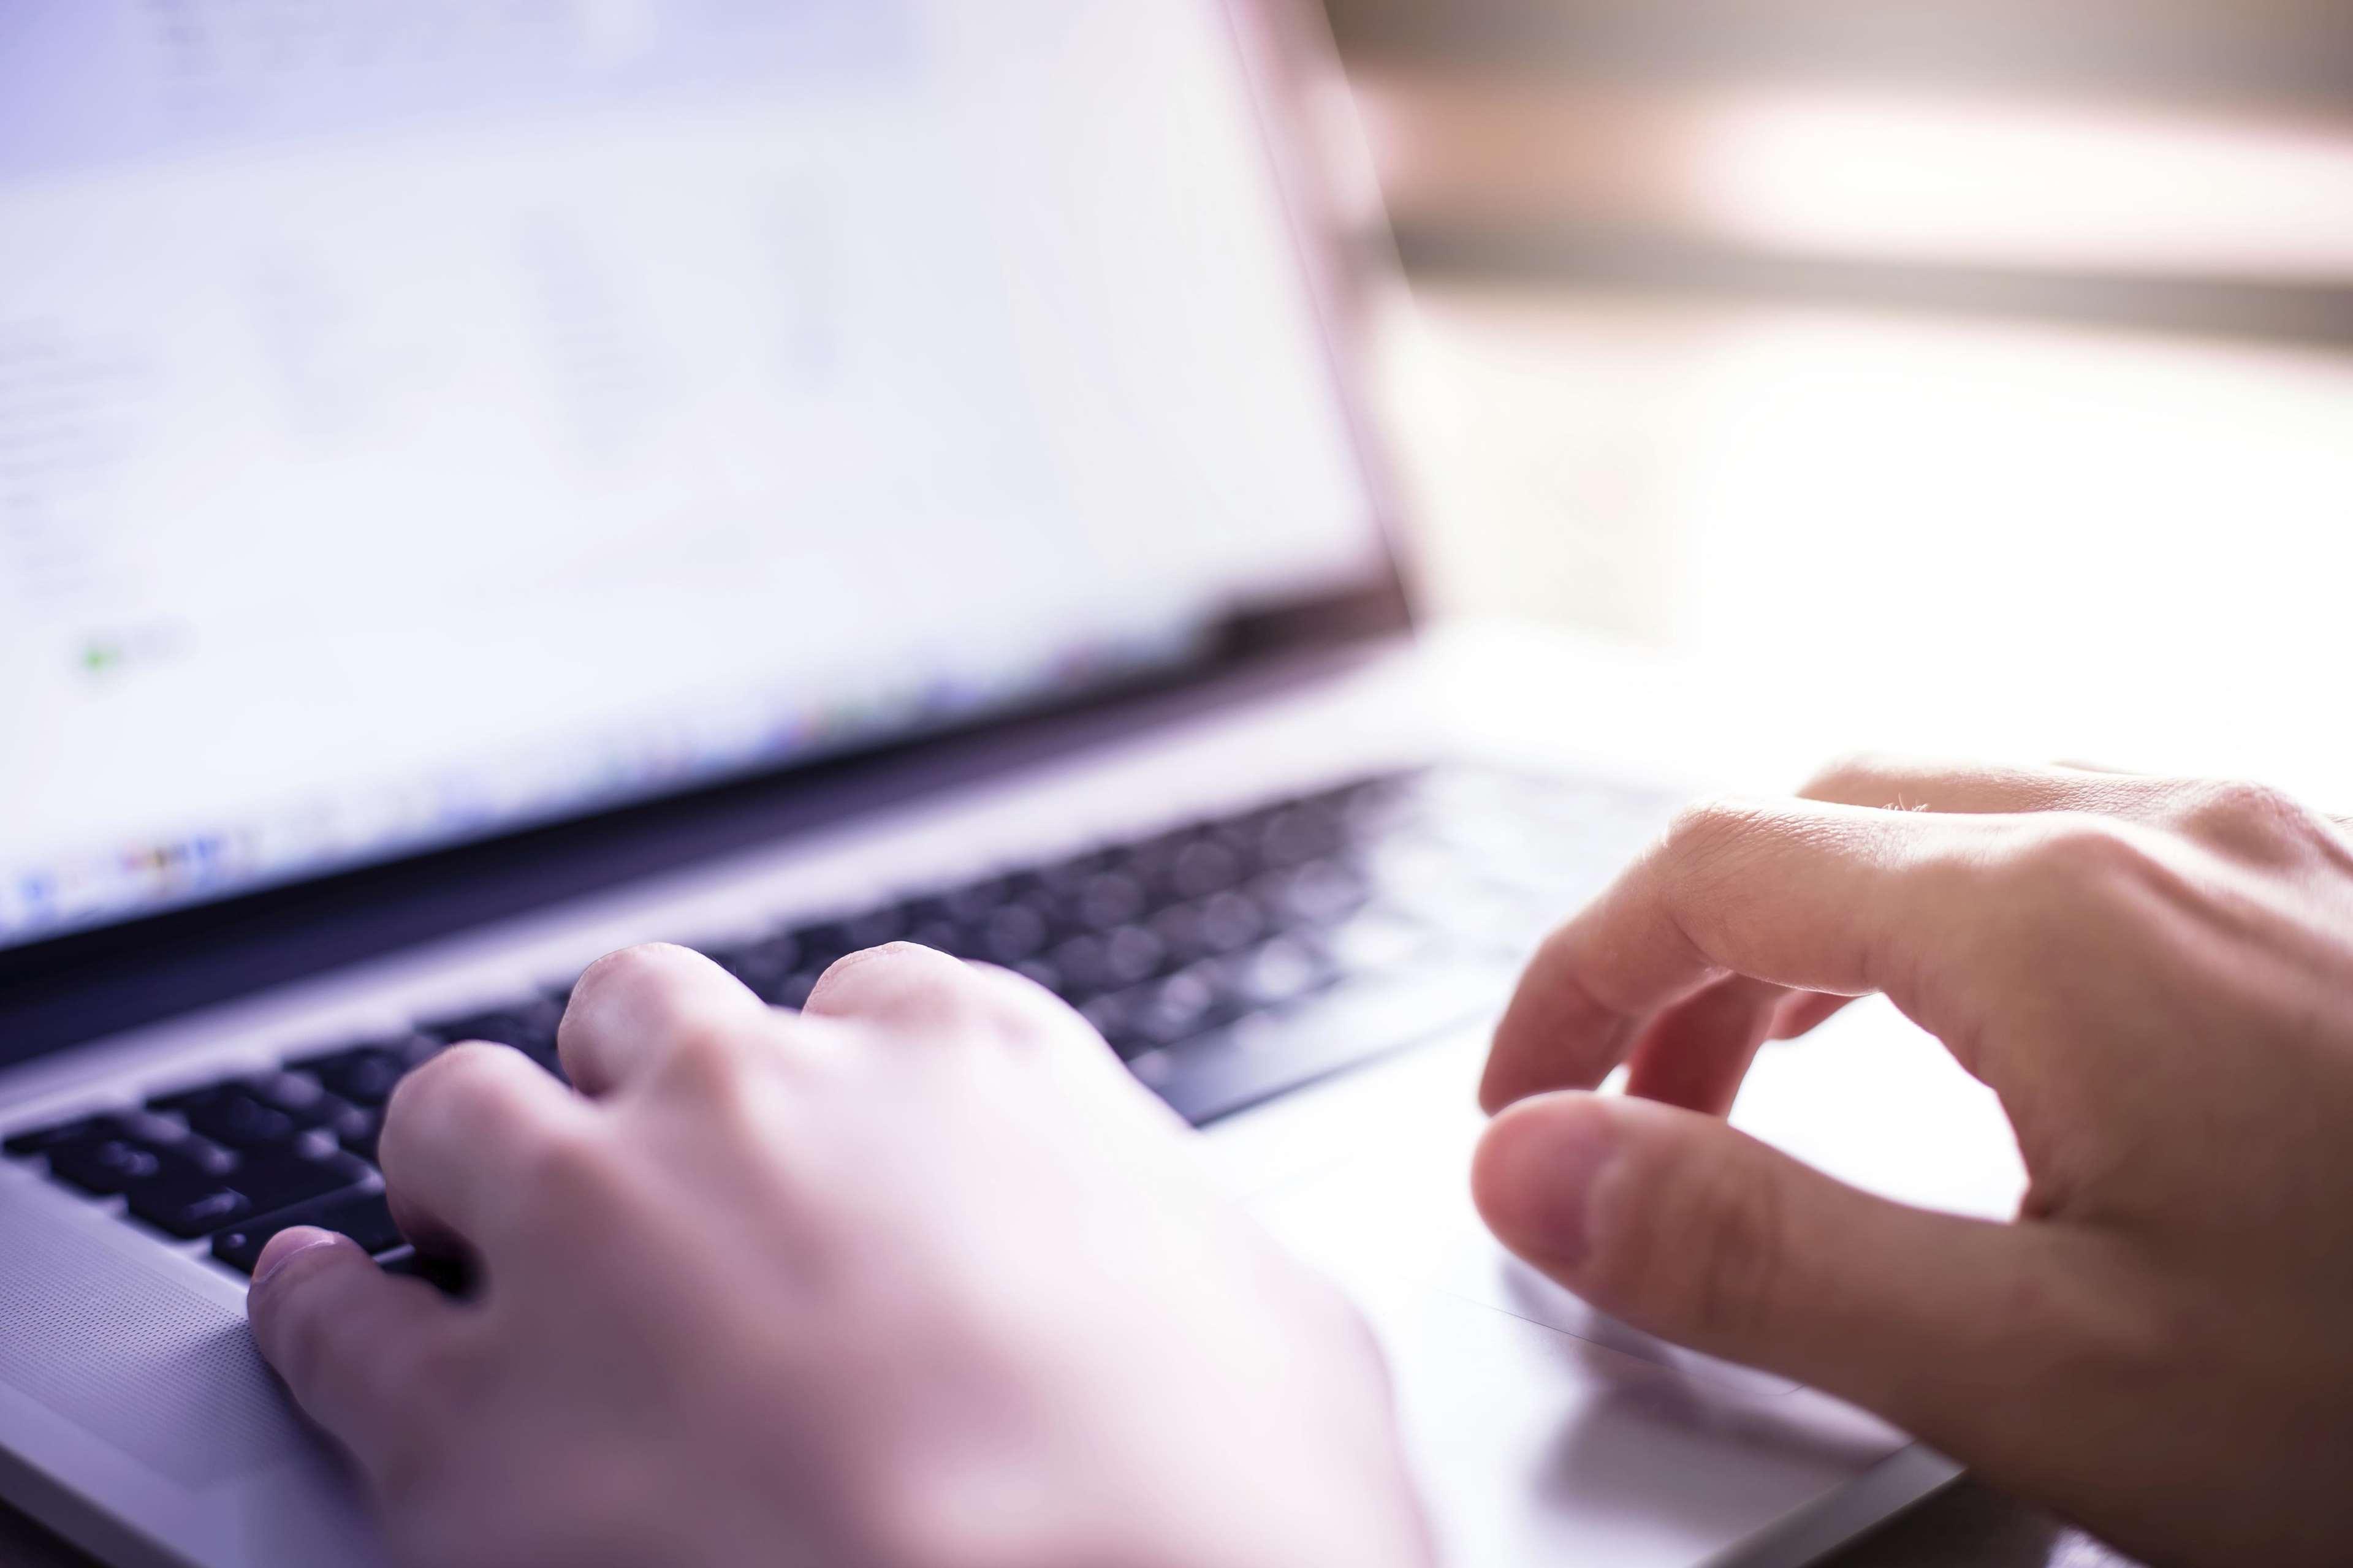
{"x": 2154, "y": 976}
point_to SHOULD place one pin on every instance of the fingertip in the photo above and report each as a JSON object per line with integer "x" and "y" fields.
{"x": 1535, "y": 1170}
{"x": 284, "y": 1247}
{"x": 905, "y": 985}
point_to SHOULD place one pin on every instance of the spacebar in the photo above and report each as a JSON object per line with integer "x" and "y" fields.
{"x": 1258, "y": 1058}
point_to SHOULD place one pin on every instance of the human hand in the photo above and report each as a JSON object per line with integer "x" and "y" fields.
{"x": 918, "y": 1279}
{"x": 2156, "y": 979}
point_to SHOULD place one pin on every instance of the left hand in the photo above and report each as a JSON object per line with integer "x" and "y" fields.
{"x": 919, "y": 1279}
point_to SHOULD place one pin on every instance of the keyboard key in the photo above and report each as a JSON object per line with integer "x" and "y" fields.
{"x": 38, "y": 1140}
{"x": 107, "y": 1165}
{"x": 1091, "y": 964}
{"x": 365, "y": 1075}
{"x": 259, "y": 1113}
{"x": 360, "y": 1134}
{"x": 363, "y": 1216}
{"x": 1204, "y": 866}
{"x": 875, "y": 929}
{"x": 1106, "y": 900}
{"x": 1272, "y": 1053}
{"x": 529, "y": 1026}
{"x": 1375, "y": 939}
{"x": 1276, "y": 972}
{"x": 760, "y": 965}
{"x": 1181, "y": 1007}
{"x": 1010, "y": 934}
{"x": 1223, "y": 923}
{"x": 190, "y": 1205}
{"x": 822, "y": 943}
{"x": 795, "y": 990}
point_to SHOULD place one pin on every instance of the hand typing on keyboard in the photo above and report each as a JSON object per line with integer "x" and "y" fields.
{"x": 917, "y": 1277}
{"x": 2156, "y": 978}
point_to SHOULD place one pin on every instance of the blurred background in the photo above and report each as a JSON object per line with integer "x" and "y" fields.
{"x": 1967, "y": 375}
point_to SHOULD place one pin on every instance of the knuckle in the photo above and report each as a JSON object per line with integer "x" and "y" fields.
{"x": 1707, "y": 829}
{"x": 2239, "y": 814}
{"x": 1854, "y": 776}
{"x": 629, "y": 968}
{"x": 2070, "y": 857}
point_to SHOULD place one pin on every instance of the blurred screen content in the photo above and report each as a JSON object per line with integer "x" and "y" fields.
{"x": 418, "y": 419}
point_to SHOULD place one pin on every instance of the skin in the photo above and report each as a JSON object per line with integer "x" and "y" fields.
{"x": 921, "y": 1278}
{"x": 2155, "y": 976}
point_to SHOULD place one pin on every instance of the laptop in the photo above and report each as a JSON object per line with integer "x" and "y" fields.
{"x": 484, "y": 485}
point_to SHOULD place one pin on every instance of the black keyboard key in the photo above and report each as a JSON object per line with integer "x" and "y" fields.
{"x": 38, "y": 1140}
{"x": 365, "y": 1075}
{"x": 1187, "y": 1004}
{"x": 971, "y": 903}
{"x": 1316, "y": 893}
{"x": 1223, "y": 923}
{"x": 1009, "y": 935}
{"x": 529, "y": 1026}
{"x": 760, "y": 965}
{"x": 1376, "y": 939}
{"x": 1272, "y": 1053}
{"x": 108, "y": 1164}
{"x": 363, "y": 1216}
{"x": 260, "y": 1113}
{"x": 1089, "y": 965}
{"x": 876, "y": 928}
{"x": 360, "y": 1134}
{"x": 1105, "y": 901}
{"x": 1301, "y": 833}
{"x": 192, "y": 1206}
{"x": 822, "y": 943}
{"x": 1114, "y": 1017}
{"x": 1204, "y": 866}
{"x": 243, "y": 1120}
{"x": 1276, "y": 974}
{"x": 793, "y": 990}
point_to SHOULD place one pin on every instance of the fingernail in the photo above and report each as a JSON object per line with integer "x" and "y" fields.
{"x": 275, "y": 1257}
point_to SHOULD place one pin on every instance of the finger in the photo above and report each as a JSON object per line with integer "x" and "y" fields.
{"x": 1914, "y": 783}
{"x": 633, "y": 1007}
{"x": 1696, "y": 1052}
{"x": 1690, "y": 1230}
{"x": 2230, "y": 815}
{"x": 458, "y": 1135}
{"x": 926, "y": 993}
{"x": 352, "y": 1342}
{"x": 1815, "y": 896}
{"x": 1803, "y": 1012}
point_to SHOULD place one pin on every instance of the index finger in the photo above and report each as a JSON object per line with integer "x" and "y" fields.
{"x": 632, "y": 1009}
{"x": 1812, "y": 896}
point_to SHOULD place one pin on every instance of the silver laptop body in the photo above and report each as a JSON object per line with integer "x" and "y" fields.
{"x": 487, "y": 489}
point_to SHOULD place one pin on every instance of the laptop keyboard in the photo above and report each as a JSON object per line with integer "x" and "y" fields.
{"x": 1226, "y": 962}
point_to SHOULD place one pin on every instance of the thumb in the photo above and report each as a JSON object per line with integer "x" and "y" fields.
{"x": 359, "y": 1349}
{"x": 1690, "y": 1230}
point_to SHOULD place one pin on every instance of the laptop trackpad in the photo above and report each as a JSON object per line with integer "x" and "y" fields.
{"x": 1545, "y": 1431}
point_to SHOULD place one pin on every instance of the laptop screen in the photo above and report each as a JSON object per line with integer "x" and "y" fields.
{"x": 419, "y": 418}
